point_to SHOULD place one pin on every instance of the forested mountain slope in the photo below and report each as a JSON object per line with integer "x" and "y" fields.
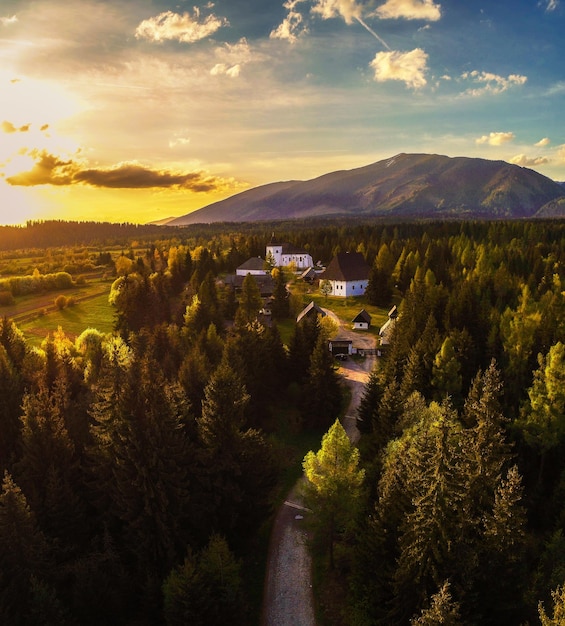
{"x": 407, "y": 185}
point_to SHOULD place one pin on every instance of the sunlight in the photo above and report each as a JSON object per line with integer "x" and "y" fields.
{"x": 38, "y": 103}
{"x": 17, "y": 205}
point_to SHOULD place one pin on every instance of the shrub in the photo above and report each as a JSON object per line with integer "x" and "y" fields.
{"x": 6, "y": 298}
{"x": 61, "y": 302}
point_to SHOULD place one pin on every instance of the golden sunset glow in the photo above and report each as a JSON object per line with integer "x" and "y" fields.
{"x": 124, "y": 111}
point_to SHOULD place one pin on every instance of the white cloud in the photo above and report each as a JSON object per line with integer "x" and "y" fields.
{"x": 543, "y": 142}
{"x": 524, "y": 161}
{"x": 492, "y": 83}
{"x": 293, "y": 24}
{"x": 349, "y": 10}
{"x": 6, "y": 21}
{"x": 231, "y": 58}
{"x": 410, "y": 10}
{"x": 550, "y": 5}
{"x": 408, "y": 67}
{"x": 495, "y": 139}
{"x": 561, "y": 153}
{"x": 185, "y": 28}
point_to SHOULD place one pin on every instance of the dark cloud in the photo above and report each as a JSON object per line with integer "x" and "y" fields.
{"x": 9, "y": 128}
{"x": 52, "y": 170}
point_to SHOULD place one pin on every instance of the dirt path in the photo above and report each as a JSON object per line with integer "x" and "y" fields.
{"x": 288, "y": 598}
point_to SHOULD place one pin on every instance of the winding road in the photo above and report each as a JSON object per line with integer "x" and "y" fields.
{"x": 288, "y": 599}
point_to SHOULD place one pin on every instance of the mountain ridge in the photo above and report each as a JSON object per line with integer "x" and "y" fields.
{"x": 403, "y": 186}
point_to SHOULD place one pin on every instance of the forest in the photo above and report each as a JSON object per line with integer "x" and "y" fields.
{"x": 131, "y": 492}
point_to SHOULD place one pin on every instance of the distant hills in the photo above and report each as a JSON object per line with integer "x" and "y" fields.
{"x": 404, "y": 186}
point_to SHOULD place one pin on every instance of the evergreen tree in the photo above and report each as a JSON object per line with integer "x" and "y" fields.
{"x": 442, "y": 610}
{"x": 24, "y": 556}
{"x": 558, "y": 617}
{"x": 333, "y": 485}
{"x": 140, "y": 460}
{"x": 446, "y": 376}
{"x": 280, "y": 307}
{"x": 322, "y": 392}
{"x": 543, "y": 416}
{"x": 11, "y": 391}
{"x": 250, "y": 302}
{"x": 206, "y": 590}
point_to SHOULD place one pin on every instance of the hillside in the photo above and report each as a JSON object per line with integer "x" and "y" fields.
{"x": 407, "y": 185}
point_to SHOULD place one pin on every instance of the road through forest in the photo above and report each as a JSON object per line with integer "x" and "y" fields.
{"x": 288, "y": 599}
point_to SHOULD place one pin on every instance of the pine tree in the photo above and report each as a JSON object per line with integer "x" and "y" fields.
{"x": 281, "y": 298}
{"x": 543, "y": 416}
{"x": 206, "y": 590}
{"x": 250, "y": 302}
{"x": 446, "y": 376}
{"x": 558, "y": 617}
{"x": 333, "y": 485}
{"x": 11, "y": 392}
{"x": 442, "y": 610}
{"x": 139, "y": 460}
{"x": 24, "y": 555}
{"x": 322, "y": 392}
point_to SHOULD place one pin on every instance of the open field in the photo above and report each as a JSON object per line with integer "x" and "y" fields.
{"x": 36, "y": 315}
{"x": 345, "y": 308}
{"x": 89, "y": 312}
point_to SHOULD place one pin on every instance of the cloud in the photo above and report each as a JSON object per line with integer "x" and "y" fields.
{"x": 524, "y": 161}
{"x": 556, "y": 89}
{"x": 9, "y": 128}
{"x": 410, "y": 10}
{"x": 293, "y": 26}
{"x": 561, "y": 153}
{"x": 231, "y": 58}
{"x": 408, "y": 67}
{"x": 185, "y": 28}
{"x": 550, "y": 5}
{"x": 543, "y": 142}
{"x": 7, "y": 21}
{"x": 349, "y": 10}
{"x": 492, "y": 83}
{"x": 50, "y": 169}
{"x": 495, "y": 139}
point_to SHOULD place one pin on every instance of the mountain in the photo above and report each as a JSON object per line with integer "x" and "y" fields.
{"x": 405, "y": 186}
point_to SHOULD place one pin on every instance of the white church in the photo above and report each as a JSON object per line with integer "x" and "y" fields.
{"x": 283, "y": 254}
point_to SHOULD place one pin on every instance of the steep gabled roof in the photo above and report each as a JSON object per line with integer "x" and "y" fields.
{"x": 311, "y": 308}
{"x": 347, "y": 266}
{"x": 362, "y": 316}
{"x": 254, "y": 263}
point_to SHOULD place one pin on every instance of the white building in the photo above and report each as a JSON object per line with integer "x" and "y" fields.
{"x": 348, "y": 274}
{"x": 254, "y": 266}
{"x": 283, "y": 254}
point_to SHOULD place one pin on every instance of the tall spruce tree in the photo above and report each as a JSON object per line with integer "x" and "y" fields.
{"x": 322, "y": 393}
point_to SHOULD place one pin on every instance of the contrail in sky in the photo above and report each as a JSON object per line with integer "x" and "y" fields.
{"x": 380, "y": 39}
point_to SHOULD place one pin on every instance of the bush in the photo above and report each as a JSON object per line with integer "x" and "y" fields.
{"x": 61, "y": 302}
{"x": 6, "y": 298}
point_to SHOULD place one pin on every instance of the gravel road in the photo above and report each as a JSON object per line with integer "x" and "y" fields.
{"x": 288, "y": 598}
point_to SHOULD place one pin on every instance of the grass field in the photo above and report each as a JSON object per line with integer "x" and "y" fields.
{"x": 345, "y": 308}
{"x": 92, "y": 310}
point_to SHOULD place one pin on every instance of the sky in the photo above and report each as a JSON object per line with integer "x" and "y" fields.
{"x": 139, "y": 110}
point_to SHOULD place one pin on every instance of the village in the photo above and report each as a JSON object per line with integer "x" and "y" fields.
{"x": 346, "y": 276}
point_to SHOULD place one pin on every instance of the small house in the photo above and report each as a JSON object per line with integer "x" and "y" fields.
{"x": 385, "y": 331}
{"x": 348, "y": 274}
{"x": 362, "y": 320}
{"x": 254, "y": 266}
{"x": 308, "y": 275}
{"x": 311, "y": 309}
